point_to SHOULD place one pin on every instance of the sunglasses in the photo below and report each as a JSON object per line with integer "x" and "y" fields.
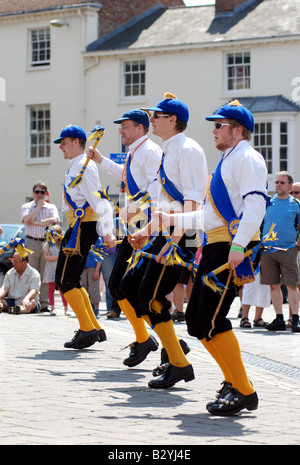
{"x": 220, "y": 125}
{"x": 280, "y": 182}
{"x": 40, "y": 192}
{"x": 157, "y": 115}
{"x": 294, "y": 192}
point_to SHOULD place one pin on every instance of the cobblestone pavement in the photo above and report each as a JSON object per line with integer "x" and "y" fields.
{"x": 51, "y": 395}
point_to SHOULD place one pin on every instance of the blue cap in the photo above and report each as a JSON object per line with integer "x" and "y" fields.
{"x": 235, "y": 110}
{"x": 71, "y": 131}
{"x": 174, "y": 106}
{"x": 139, "y": 116}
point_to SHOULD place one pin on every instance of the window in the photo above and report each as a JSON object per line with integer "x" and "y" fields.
{"x": 40, "y": 47}
{"x": 238, "y": 71}
{"x": 39, "y": 133}
{"x": 271, "y": 140}
{"x": 283, "y": 147}
{"x": 263, "y": 142}
{"x": 134, "y": 78}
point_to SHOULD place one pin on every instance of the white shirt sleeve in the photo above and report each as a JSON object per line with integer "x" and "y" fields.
{"x": 190, "y": 220}
{"x": 111, "y": 167}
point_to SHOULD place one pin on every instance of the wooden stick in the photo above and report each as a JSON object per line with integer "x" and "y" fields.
{"x": 97, "y": 134}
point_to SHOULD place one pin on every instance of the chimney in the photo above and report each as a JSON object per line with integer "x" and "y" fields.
{"x": 228, "y": 6}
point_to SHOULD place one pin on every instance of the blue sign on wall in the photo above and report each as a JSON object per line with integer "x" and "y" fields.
{"x": 118, "y": 157}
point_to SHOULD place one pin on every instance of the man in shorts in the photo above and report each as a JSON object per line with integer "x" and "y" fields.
{"x": 280, "y": 267}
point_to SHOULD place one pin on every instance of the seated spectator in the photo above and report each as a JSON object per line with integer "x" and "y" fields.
{"x": 20, "y": 289}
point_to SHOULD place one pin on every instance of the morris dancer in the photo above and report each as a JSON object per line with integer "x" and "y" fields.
{"x": 233, "y": 212}
{"x": 139, "y": 173}
{"x": 83, "y": 209}
{"x": 182, "y": 179}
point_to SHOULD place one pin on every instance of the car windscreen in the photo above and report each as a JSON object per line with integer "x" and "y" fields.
{"x": 9, "y": 233}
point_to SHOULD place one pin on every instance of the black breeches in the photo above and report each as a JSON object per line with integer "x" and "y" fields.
{"x": 124, "y": 252}
{"x": 70, "y": 267}
{"x": 201, "y": 314}
{"x": 151, "y": 282}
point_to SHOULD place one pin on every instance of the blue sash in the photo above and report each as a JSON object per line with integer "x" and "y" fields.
{"x": 243, "y": 273}
{"x": 222, "y": 200}
{"x": 129, "y": 181}
{"x": 73, "y": 246}
{"x": 168, "y": 186}
{"x": 131, "y": 184}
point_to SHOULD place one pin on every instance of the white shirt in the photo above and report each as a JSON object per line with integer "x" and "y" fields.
{"x": 185, "y": 165}
{"x": 243, "y": 171}
{"x": 48, "y": 210}
{"x": 86, "y": 192}
{"x": 144, "y": 165}
{"x": 19, "y": 286}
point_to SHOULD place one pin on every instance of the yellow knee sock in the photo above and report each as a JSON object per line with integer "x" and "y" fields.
{"x": 147, "y": 319}
{"x": 209, "y": 346}
{"x": 76, "y": 302}
{"x": 138, "y": 324}
{"x": 89, "y": 308}
{"x": 170, "y": 342}
{"x": 228, "y": 349}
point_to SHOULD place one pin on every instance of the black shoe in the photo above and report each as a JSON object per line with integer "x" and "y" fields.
{"x": 45, "y": 309}
{"x": 277, "y": 325}
{"x": 171, "y": 376}
{"x": 102, "y": 335}
{"x": 139, "y": 351}
{"x": 83, "y": 339}
{"x": 295, "y": 324}
{"x": 177, "y": 316}
{"x": 221, "y": 393}
{"x": 233, "y": 402}
{"x": 164, "y": 358}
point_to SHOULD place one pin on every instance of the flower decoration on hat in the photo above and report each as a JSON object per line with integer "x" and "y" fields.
{"x": 169, "y": 95}
{"x": 235, "y": 103}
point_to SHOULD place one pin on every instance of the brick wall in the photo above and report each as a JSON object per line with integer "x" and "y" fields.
{"x": 227, "y": 5}
{"x": 117, "y": 12}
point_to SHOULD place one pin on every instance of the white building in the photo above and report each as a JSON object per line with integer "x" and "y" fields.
{"x": 53, "y": 76}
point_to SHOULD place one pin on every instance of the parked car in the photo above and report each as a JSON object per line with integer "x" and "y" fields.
{"x": 10, "y": 231}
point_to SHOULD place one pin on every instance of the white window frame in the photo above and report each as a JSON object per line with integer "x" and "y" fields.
{"x": 132, "y": 85}
{"x": 275, "y": 119}
{"x": 39, "y": 135}
{"x": 41, "y": 44}
{"x": 242, "y": 89}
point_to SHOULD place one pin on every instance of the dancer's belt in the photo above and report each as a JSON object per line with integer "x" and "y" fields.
{"x": 90, "y": 215}
{"x": 222, "y": 235}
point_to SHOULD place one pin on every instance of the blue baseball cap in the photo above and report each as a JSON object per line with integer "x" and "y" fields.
{"x": 139, "y": 116}
{"x": 235, "y": 110}
{"x": 71, "y": 131}
{"x": 174, "y": 106}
